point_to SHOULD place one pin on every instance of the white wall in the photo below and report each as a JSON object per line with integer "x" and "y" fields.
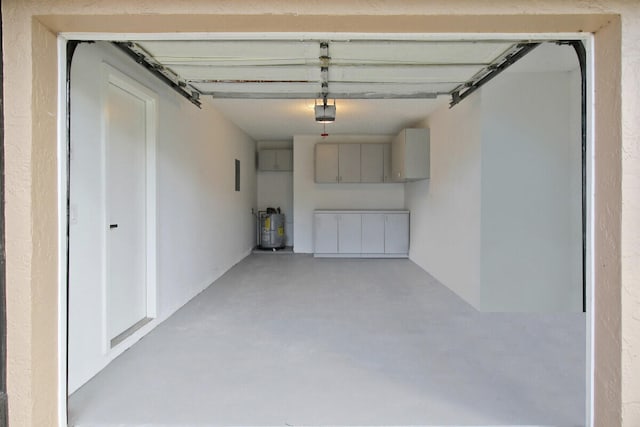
{"x": 275, "y": 189}
{"x": 531, "y": 213}
{"x": 204, "y": 227}
{"x": 308, "y": 196}
{"x": 445, "y": 209}
{"x": 499, "y": 222}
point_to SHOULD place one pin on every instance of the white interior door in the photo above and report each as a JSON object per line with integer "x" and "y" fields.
{"x": 126, "y": 124}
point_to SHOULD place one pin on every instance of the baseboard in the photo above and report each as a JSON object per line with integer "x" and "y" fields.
{"x": 316, "y": 255}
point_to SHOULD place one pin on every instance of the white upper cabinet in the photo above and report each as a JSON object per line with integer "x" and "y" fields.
{"x": 386, "y": 165}
{"x": 275, "y": 160}
{"x": 372, "y": 163}
{"x": 284, "y": 160}
{"x": 410, "y": 155}
{"x": 326, "y": 163}
{"x": 349, "y": 163}
{"x": 352, "y": 163}
{"x": 375, "y": 163}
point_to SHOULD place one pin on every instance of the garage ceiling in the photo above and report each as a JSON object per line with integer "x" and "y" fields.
{"x": 269, "y": 87}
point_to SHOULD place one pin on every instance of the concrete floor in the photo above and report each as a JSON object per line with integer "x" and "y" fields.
{"x": 293, "y": 340}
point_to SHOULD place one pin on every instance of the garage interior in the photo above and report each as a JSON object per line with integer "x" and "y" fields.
{"x": 479, "y": 322}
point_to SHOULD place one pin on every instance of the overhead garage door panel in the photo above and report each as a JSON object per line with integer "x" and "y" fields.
{"x": 416, "y": 52}
{"x": 275, "y": 88}
{"x": 268, "y": 73}
{"x": 402, "y": 74}
{"x": 233, "y": 52}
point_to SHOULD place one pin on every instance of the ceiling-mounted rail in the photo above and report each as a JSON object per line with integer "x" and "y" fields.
{"x": 158, "y": 70}
{"x": 491, "y": 71}
{"x": 325, "y": 59}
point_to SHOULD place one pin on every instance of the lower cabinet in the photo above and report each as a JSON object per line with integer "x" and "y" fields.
{"x": 367, "y": 234}
{"x": 373, "y": 234}
{"x": 325, "y": 233}
{"x": 396, "y": 233}
{"x": 337, "y": 233}
{"x": 349, "y": 234}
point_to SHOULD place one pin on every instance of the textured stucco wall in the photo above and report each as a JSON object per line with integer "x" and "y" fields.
{"x": 630, "y": 235}
{"x": 607, "y": 229}
{"x": 17, "y": 146}
{"x": 44, "y": 197}
{"x": 30, "y": 76}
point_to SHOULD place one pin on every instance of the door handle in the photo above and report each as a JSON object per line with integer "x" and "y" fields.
{"x": 113, "y": 225}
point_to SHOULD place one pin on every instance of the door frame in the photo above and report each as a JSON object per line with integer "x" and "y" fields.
{"x": 112, "y": 76}
{"x": 4, "y": 409}
{"x": 589, "y": 168}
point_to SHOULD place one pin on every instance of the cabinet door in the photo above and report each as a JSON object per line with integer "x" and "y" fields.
{"x": 325, "y": 233}
{"x": 267, "y": 160}
{"x": 349, "y": 233}
{"x": 416, "y": 156}
{"x": 397, "y": 157}
{"x": 371, "y": 163}
{"x": 326, "y": 163}
{"x": 349, "y": 163}
{"x": 372, "y": 233}
{"x": 386, "y": 163}
{"x": 284, "y": 160}
{"x": 396, "y": 233}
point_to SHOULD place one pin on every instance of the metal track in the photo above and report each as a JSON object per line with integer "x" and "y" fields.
{"x": 170, "y": 78}
{"x": 484, "y": 76}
